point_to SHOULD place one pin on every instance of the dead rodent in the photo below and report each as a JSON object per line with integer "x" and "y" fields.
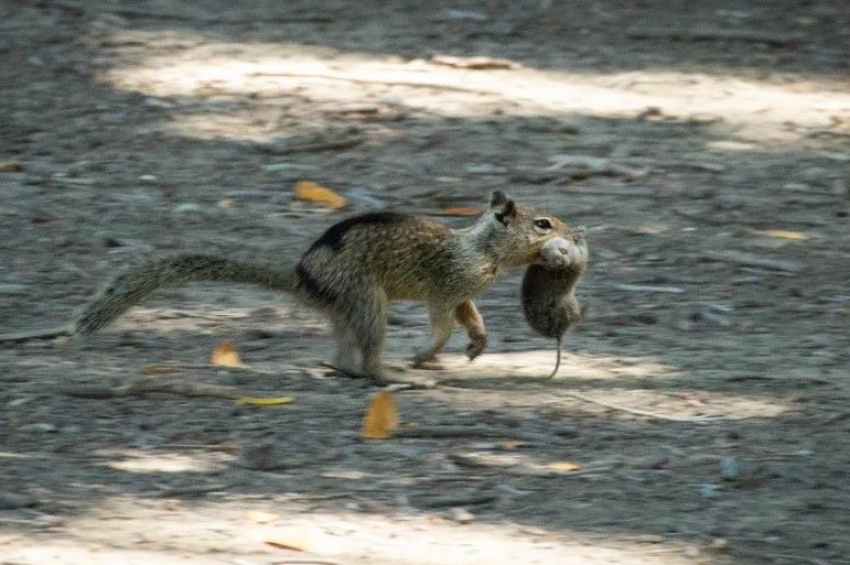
{"x": 355, "y": 268}
{"x": 548, "y": 288}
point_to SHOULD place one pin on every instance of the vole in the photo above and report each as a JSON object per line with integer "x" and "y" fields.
{"x": 548, "y": 288}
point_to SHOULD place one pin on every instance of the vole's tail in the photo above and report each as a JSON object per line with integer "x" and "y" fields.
{"x": 132, "y": 287}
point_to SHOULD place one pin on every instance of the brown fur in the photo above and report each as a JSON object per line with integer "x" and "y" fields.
{"x": 360, "y": 264}
{"x": 548, "y": 289}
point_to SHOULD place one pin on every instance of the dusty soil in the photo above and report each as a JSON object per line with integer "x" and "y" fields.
{"x": 706, "y": 148}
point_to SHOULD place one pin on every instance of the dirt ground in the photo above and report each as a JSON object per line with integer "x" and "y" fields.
{"x": 705, "y": 145}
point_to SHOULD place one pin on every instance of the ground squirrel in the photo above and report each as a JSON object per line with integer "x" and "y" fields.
{"x": 548, "y": 297}
{"x": 356, "y": 267}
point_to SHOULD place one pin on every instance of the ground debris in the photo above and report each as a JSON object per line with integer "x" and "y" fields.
{"x": 708, "y": 34}
{"x": 752, "y": 260}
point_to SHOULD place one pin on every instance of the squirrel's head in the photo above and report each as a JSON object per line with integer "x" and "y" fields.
{"x": 529, "y": 235}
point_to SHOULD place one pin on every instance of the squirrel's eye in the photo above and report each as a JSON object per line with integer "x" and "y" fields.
{"x": 543, "y": 224}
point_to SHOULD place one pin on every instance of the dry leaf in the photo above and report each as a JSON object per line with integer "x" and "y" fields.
{"x": 564, "y": 466}
{"x": 291, "y": 543}
{"x": 462, "y": 211}
{"x": 381, "y": 417}
{"x": 256, "y": 401}
{"x": 783, "y": 234}
{"x": 159, "y": 369}
{"x": 318, "y": 194}
{"x": 511, "y": 445}
{"x": 229, "y": 447}
{"x": 225, "y": 354}
{"x": 475, "y": 63}
{"x": 10, "y": 167}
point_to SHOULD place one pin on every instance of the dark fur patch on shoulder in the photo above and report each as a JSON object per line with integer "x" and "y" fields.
{"x": 333, "y": 237}
{"x": 311, "y": 287}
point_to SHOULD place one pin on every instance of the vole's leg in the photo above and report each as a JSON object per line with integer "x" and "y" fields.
{"x": 442, "y": 322}
{"x": 470, "y": 318}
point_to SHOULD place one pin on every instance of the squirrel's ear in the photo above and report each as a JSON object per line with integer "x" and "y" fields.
{"x": 498, "y": 198}
{"x": 506, "y": 212}
{"x": 503, "y": 206}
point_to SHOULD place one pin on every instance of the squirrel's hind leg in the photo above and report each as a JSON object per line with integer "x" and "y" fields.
{"x": 366, "y": 320}
{"x": 347, "y": 356}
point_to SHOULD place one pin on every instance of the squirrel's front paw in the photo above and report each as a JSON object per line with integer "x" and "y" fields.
{"x": 477, "y": 345}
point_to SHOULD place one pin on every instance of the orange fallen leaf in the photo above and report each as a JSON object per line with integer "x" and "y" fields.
{"x": 381, "y": 417}
{"x": 312, "y": 192}
{"x": 564, "y": 466}
{"x": 225, "y": 354}
{"x": 462, "y": 211}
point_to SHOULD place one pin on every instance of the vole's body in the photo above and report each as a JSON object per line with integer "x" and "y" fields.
{"x": 548, "y": 289}
{"x": 358, "y": 266}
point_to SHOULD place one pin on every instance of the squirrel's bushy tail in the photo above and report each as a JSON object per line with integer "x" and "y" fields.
{"x": 132, "y": 287}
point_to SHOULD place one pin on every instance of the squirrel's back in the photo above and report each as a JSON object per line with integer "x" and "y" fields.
{"x": 407, "y": 256}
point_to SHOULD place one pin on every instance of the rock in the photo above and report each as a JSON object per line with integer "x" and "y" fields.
{"x": 461, "y": 515}
{"x": 186, "y": 208}
{"x": 708, "y": 490}
{"x": 262, "y": 457}
{"x": 42, "y": 427}
{"x": 730, "y": 469}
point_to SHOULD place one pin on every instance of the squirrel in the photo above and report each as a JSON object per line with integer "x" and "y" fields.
{"x": 355, "y": 268}
{"x": 548, "y": 289}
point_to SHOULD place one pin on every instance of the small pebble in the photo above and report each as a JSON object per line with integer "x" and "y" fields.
{"x": 262, "y": 457}
{"x": 708, "y": 490}
{"x": 730, "y": 469}
{"x": 42, "y": 427}
{"x": 186, "y": 208}
{"x": 719, "y": 544}
{"x": 461, "y": 515}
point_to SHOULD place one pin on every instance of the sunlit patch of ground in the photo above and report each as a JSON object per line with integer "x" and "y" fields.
{"x": 135, "y": 461}
{"x": 755, "y": 111}
{"x": 133, "y": 532}
{"x": 619, "y": 380}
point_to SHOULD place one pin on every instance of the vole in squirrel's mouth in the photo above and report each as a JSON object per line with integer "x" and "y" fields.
{"x": 548, "y": 287}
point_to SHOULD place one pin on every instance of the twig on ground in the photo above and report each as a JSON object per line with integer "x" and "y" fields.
{"x": 517, "y": 466}
{"x": 453, "y": 501}
{"x": 168, "y": 492}
{"x": 145, "y": 386}
{"x": 354, "y": 80}
{"x": 637, "y": 412}
{"x": 750, "y": 260}
{"x": 439, "y": 432}
{"x": 43, "y": 333}
{"x": 214, "y": 19}
{"x": 647, "y": 288}
{"x": 746, "y": 36}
